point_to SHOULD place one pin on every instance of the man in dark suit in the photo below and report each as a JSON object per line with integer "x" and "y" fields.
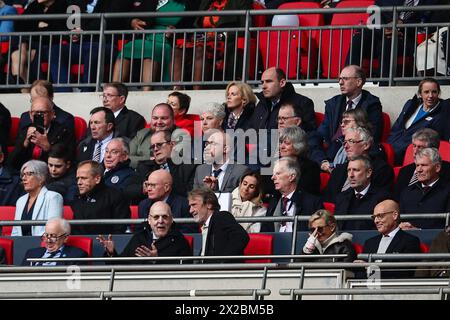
{"x": 159, "y": 188}
{"x": 128, "y": 122}
{"x": 221, "y": 234}
{"x": 35, "y": 141}
{"x": 160, "y": 238}
{"x": 361, "y": 197}
{"x": 351, "y": 81}
{"x": 162, "y": 149}
{"x": 422, "y": 138}
{"x": 289, "y": 201}
{"x": 57, "y": 231}
{"x": 430, "y": 194}
{"x": 358, "y": 142}
{"x": 391, "y": 239}
{"x": 218, "y": 173}
{"x": 102, "y": 126}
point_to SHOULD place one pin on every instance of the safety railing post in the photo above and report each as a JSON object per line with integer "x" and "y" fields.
{"x": 394, "y": 43}
{"x": 246, "y": 53}
{"x": 101, "y": 54}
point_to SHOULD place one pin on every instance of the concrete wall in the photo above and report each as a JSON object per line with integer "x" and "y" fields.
{"x": 80, "y": 104}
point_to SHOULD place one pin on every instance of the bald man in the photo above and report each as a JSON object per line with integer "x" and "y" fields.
{"x": 159, "y": 188}
{"x": 392, "y": 239}
{"x": 35, "y": 140}
{"x": 158, "y": 239}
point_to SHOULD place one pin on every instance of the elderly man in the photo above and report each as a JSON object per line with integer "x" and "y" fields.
{"x": 277, "y": 91}
{"x": 221, "y": 234}
{"x": 161, "y": 148}
{"x": 159, "y": 188}
{"x": 358, "y": 142}
{"x": 218, "y": 173}
{"x": 430, "y": 194}
{"x": 97, "y": 201}
{"x": 128, "y": 122}
{"x": 10, "y": 186}
{"x": 290, "y": 201}
{"x": 163, "y": 118}
{"x": 362, "y": 196}
{"x": 35, "y": 141}
{"x": 351, "y": 82}
{"x": 102, "y": 127}
{"x": 289, "y": 116}
{"x": 57, "y": 231}
{"x": 160, "y": 240}
{"x": 423, "y": 138}
{"x": 118, "y": 173}
{"x": 392, "y": 239}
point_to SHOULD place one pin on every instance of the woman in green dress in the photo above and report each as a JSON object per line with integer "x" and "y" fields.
{"x": 153, "y": 49}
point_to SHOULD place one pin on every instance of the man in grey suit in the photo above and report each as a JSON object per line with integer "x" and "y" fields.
{"x": 219, "y": 173}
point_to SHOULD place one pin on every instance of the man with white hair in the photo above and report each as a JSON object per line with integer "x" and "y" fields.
{"x": 57, "y": 231}
{"x": 118, "y": 172}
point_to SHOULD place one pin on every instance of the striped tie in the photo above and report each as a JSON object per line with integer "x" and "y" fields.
{"x": 97, "y": 152}
{"x": 405, "y": 15}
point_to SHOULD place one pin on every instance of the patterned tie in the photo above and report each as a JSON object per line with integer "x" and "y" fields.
{"x": 232, "y": 121}
{"x": 216, "y": 174}
{"x": 358, "y": 196}
{"x": 97, "y": 152}
{"x": 165, "y": 166}
{"x": 426, "y": 189}
{"x": 349, "y": 105}
{"x": 284, "y": 207}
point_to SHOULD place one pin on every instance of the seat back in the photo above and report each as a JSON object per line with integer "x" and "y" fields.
{"x": 390, "y": 154}
{"x": 13, "y": 131}
{"x": 424, "y": 248}
{"x": 259, "y": 244}
{"x": 396, "y": 172}
{"x": 80, "y": 128}
{"x": 319, "y": 118}
{"x": 335, "y": 44}
{"x": 83, "y": 243}
{"x": 386, "y": 127}
{"x": 7, "y": 213}
{"x": 8, "y": 247}
{"x": 444, "y": 151}
{"x": 68, "y": 213}
{"x": 358, "y": 248}
{"x": 190, "y": 240}
{"x": 330, "y": 206}
{"x": 324, "y": 177}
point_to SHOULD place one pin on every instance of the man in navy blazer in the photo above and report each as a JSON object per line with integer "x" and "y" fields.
{"x": 57, "y": 231}
{"x": 392, "y": 239}
{"x": 351, "y": 81}
{"x": 159, "y": 188}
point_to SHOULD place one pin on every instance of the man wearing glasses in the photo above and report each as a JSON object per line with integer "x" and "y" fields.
{"x": 351, "y": 82}
{"x": 57, "y": 231}
{"x": 34, "y": 142}
{"x": 392, "y": 239}
{"x": 358, "y": 142}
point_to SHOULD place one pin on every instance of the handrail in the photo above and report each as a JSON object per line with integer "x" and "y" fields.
{"x": 403, "y": 256}
{"x": 370, "y": 291}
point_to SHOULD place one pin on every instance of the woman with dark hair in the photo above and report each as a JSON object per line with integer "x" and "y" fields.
{"x": 247, "y": 201}
{"x": 180, "y": 103}
{"x": 425, "y": 110}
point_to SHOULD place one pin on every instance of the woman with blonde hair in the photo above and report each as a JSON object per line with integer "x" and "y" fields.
{"x": 240, "y": 104}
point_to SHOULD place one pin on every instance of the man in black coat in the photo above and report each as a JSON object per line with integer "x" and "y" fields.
{"x": 358, "y": 142}
{"x": 35, "y": 141}
{"x": 5, "y": 126}
{"x": 277, "y": 91}
{"x": 290, "y": 201}
{"x": 422, "y": 138}
{"x": 430, "y": 194}
{"x": 56, "y": 234}
{"x": 221, "y": 234}
{"x": 391, "y": 239}
{"x": 97, "y": 201}
{"x": 159, "y": 239}
{"x": 361, "y": 197}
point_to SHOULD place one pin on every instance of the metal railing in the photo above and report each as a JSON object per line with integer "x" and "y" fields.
{"x": 309, "y": 54}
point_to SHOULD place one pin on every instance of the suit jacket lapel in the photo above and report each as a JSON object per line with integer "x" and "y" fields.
{"x": 226, "y": 176}
{"x": 395, "y": 241}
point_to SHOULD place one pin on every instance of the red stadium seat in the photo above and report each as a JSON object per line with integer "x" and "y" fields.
{"x": 319, "y": 118}
{"x": 84, "y": 243}
{"x": 330, "y": 206}
{"x": 7, "y": 213}
{"x": 396, "y": 172}
{"x": 358, "y": 248}
{"x": 324, "y": 177}
{"x": 424, "y": 248}
{"x": 13, "y": 132}
{"x": 259, "y": 244}
{"x": 386, "y": 127}
{"x": 389, "y": 151}
{"x": 134, "y": 212}
{"x": 8, "y": 247}
{"x": 190, "y": 240}
{"x": 68, "y": 213}
{"x": 444, "y": 151}
{"x": 336, "y": 43}
{"x": 80, "y": 128}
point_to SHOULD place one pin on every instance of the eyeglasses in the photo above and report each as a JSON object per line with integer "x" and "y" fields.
{"x": 381, "y": 215}
{"x": 283, "y": 119}
{"x": 150, "y": 185}
{"x": 52, "y": 237}
{"x": 352, "y": 142}
{"x": 156, "y": 217}
{"x": 319, "y": 229}
{"x": 108, "y": 96}
{"x": 158, "y": 145}
{"x": 346, "y": 78}
{"x": 27, "y": 174}
{"x": 114, "y": 152}
{"x": 347, "y": 121}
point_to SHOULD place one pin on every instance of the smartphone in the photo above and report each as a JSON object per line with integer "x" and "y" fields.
{"x": 38, "y": 122}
